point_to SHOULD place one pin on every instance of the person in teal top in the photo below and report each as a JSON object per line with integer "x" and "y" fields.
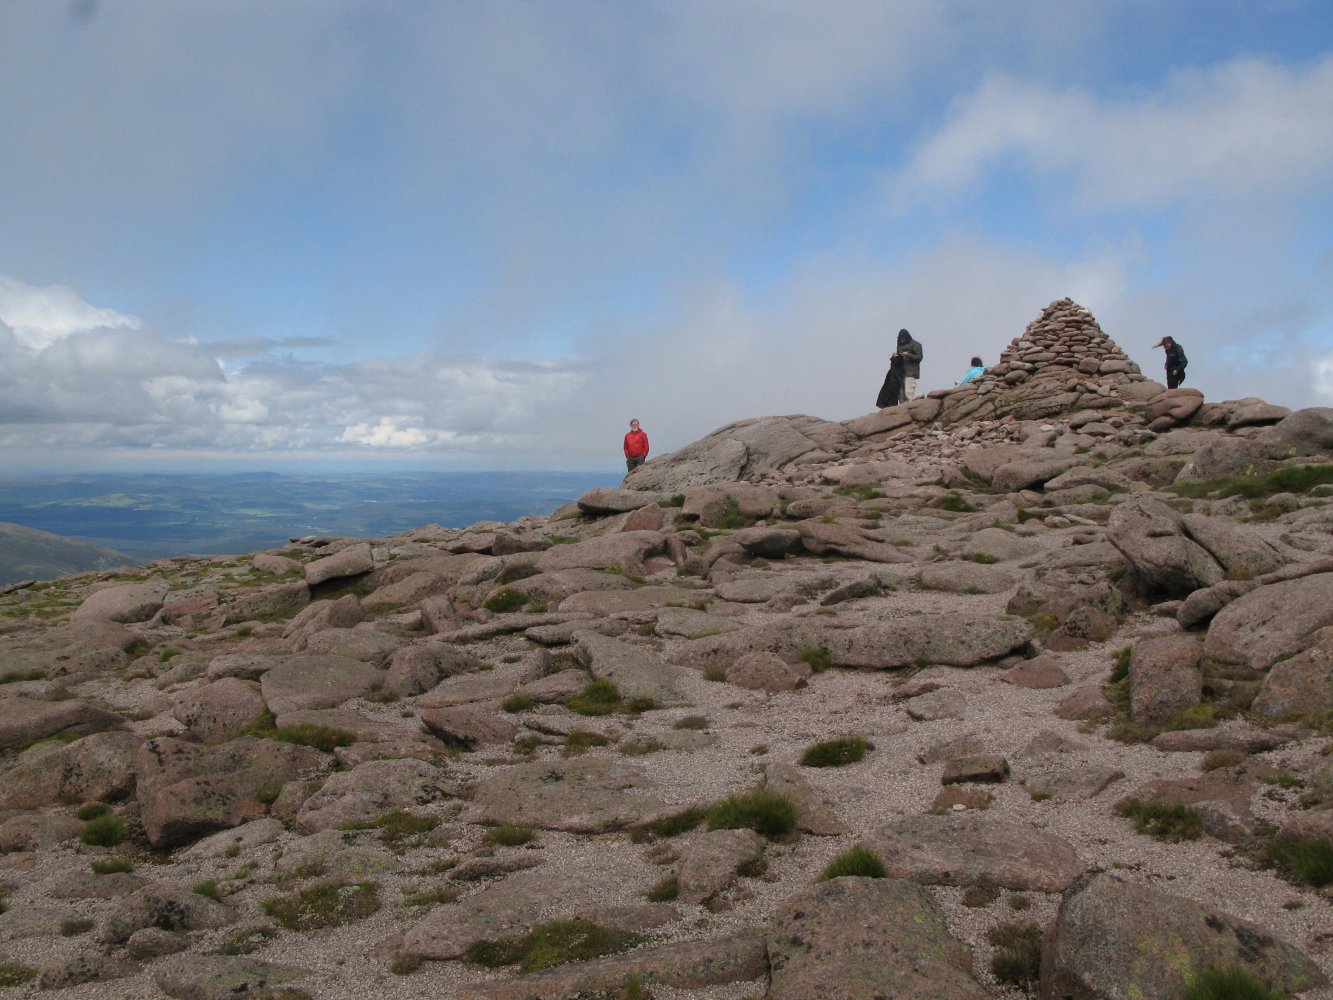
{"x": 977, "y": 369}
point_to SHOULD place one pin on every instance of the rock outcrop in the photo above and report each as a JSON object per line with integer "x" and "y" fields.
{"x": 805, "y": 709}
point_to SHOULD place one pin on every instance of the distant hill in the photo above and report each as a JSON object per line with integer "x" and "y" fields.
{"x": 29, "y": 554}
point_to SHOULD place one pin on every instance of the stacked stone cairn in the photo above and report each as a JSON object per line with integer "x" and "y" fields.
{"x": 1065, "y": 335}
{"x": 1062, "y": 361}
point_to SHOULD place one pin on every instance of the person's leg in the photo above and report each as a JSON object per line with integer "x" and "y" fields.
{"x": 909, "y": 388}
{"x": 1171, "y": 380}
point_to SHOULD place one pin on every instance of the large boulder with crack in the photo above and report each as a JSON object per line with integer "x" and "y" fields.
{"x": 1163, "y": 558}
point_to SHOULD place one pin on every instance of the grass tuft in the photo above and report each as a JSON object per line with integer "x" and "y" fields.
{"x": 664, "y": 891}
{"x": 506, "y": 600}
{"x": 858, "y": 862}
{"x": 580, "y": 740}
{"x": 1017, "y": 958}
{"x": 766, "y": 813}
{"x": 599, "y": 697}
{"x": 518, "y": 703}
{"x": 510, "y": 836}
{"x": 16, "y": 973}
{"x": 104, "y": 831}
{"x": 818, "y": 659}
{"x": 1304, "y": 860}
{"x": 836, "y": 753}
{"x": 309, "y": 734}
{"x": 1166, "y": 821}
{"x": 1228, "y": 982}
{"x": 672, "y": 825}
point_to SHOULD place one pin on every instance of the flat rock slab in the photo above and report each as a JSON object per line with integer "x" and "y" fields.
{"x": 972, "y": 850}
{"x": 1038, "y": 673}
{"x": 634, "y": 670}
{"x": 1243, "y": 737}
{"x": 1075, "y": 784}
{"x": 856, "y": 938}
{"x": 307, "y": 680}
{"x": 690, "y": 623}
{"x": 1114, "y": 940}
{"x": 682, "y": 965}
{"x": 814, "y": 813}
{"x": 959, "y": 640}
{"x": 579, "y": 795}
{"x": 965, "y": 578}
{"x": 619, "y": 602}
{"x": 220, "y": 977}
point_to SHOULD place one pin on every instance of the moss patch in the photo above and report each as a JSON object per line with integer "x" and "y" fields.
{"x": 328, "y": 905}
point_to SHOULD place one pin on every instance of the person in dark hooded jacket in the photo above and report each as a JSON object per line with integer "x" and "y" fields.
{"x": 904, "y": 370}
{"x": 910, "y": 351}
{"x": 1175, "y": 362}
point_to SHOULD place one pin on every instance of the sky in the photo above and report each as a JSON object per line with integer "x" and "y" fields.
{"x": 359, "y": 235}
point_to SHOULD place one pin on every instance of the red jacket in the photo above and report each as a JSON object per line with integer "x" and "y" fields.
{"x": 636, "y": 444}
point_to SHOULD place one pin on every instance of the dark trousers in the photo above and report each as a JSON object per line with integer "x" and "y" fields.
{"x": 632, "y": 463}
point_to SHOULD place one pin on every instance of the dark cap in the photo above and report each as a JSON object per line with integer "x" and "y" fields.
{"x": 904, "y": 335}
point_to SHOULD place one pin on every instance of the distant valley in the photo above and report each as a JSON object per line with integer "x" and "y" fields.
{"x": 144, "y": 517}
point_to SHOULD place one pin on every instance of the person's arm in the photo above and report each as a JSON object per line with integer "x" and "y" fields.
{"x": 912, "y": 351}
{"x": 627, "y": 446}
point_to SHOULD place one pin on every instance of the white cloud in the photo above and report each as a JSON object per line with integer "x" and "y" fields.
{"x": 1238, "y": 130}
{"x": 40, "y": 316}
{"x": 390, "y": 432}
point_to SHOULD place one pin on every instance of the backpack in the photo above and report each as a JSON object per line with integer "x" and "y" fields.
{"x": 1183, "y": 360}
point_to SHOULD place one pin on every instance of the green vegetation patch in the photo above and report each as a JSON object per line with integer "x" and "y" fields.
{"x": 111, "y": 866}
{"x": 1166, "y": 821}
{"x": 580, "y": 740}
{"x": 836, "y": 753}
{"x": 1017, "y": 958}
{"x": 327, "y": 905}
{"x": 74, "y": 926}
{"x": 818, "y": 659}
{"x": 856, "y": 861}
{"x": 208, "y": 887}
{"x": 309, "y": 734}
{"x": 104, "y": 831}
{"x": 672, "y": 825}
{"x": 398, "y": 827}
{"x": 91, "y": 811}
{"x": 518, "y": 703}
{"x": 552, "y": 943}
{"x": 599, "y": 697}
{"x": 1305, "y": 860}
{"x": 766, "y": 813}
{"x": 510, "y": 836}
{"x": 505, "y": 600}
{"x": 1292, "y": 479}
{"x": 665, "y": 890}
{"x": 1228, "y": 982}
{"x": 956, "y": 503}
{"x": 26, "y": 675}
{"x": 16, "y": 973}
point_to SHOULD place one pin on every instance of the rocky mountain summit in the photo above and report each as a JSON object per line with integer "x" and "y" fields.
{"x": 1021, "y": 688}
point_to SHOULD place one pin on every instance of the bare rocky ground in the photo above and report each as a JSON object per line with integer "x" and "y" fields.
{"x": 1046, "y": 609}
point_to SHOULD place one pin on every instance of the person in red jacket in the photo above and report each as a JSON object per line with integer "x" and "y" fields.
{"x": 636, "y": 447}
